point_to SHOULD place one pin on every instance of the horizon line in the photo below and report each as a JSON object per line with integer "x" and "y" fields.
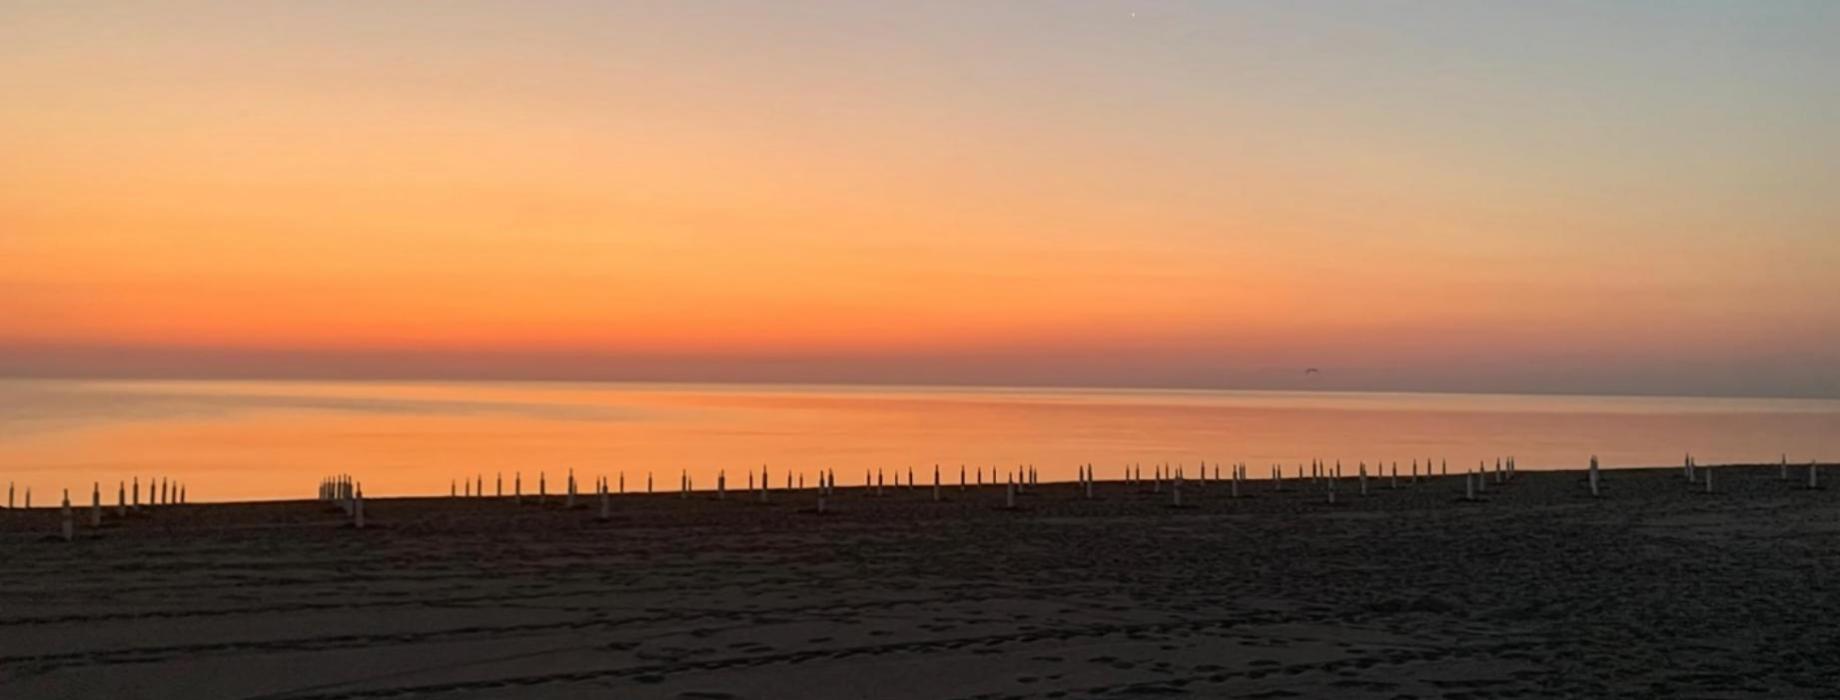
{"x": 6, "y": 375}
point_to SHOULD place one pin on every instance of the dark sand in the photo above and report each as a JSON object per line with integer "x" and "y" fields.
{"x": 1655, "y": 590}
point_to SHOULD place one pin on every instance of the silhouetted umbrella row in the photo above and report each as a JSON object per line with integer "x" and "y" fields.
{"x": 161, "y": 492}
{"x": 347, "y": 493}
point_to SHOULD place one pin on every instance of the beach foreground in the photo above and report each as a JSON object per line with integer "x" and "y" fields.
{"x": 1656, "y": 589}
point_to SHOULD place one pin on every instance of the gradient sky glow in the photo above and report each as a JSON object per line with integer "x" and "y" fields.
{"x": 1597, "y": 197}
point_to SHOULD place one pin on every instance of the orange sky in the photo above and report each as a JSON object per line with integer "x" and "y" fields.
{"x": 946, "y": 193}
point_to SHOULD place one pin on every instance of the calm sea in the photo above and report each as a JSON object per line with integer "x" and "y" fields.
{"x": 234, "y": 440}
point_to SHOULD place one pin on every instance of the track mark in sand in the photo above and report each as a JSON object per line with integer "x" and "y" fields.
{"x": 424, "y": 669}
{"x": 658, "y": 672}
{"x": 155, "y": 654}
{"x": 1164, "y": 686}
{"x": 590, "y": 586}
{"x": 283, "y": 608}
{"x": 424, "y": 601}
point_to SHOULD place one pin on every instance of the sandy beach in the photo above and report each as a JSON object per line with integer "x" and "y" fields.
{"x": 1536, "y": 590}
{"x": 424, "y": 250}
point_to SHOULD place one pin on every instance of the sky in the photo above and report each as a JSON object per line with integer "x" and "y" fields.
{"x": 1564, "y": 197}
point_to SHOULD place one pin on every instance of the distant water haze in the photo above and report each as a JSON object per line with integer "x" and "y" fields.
{"x": 235, "y": 440}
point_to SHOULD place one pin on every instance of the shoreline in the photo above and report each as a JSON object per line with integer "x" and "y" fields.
{"x": 1121, "y": 487}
